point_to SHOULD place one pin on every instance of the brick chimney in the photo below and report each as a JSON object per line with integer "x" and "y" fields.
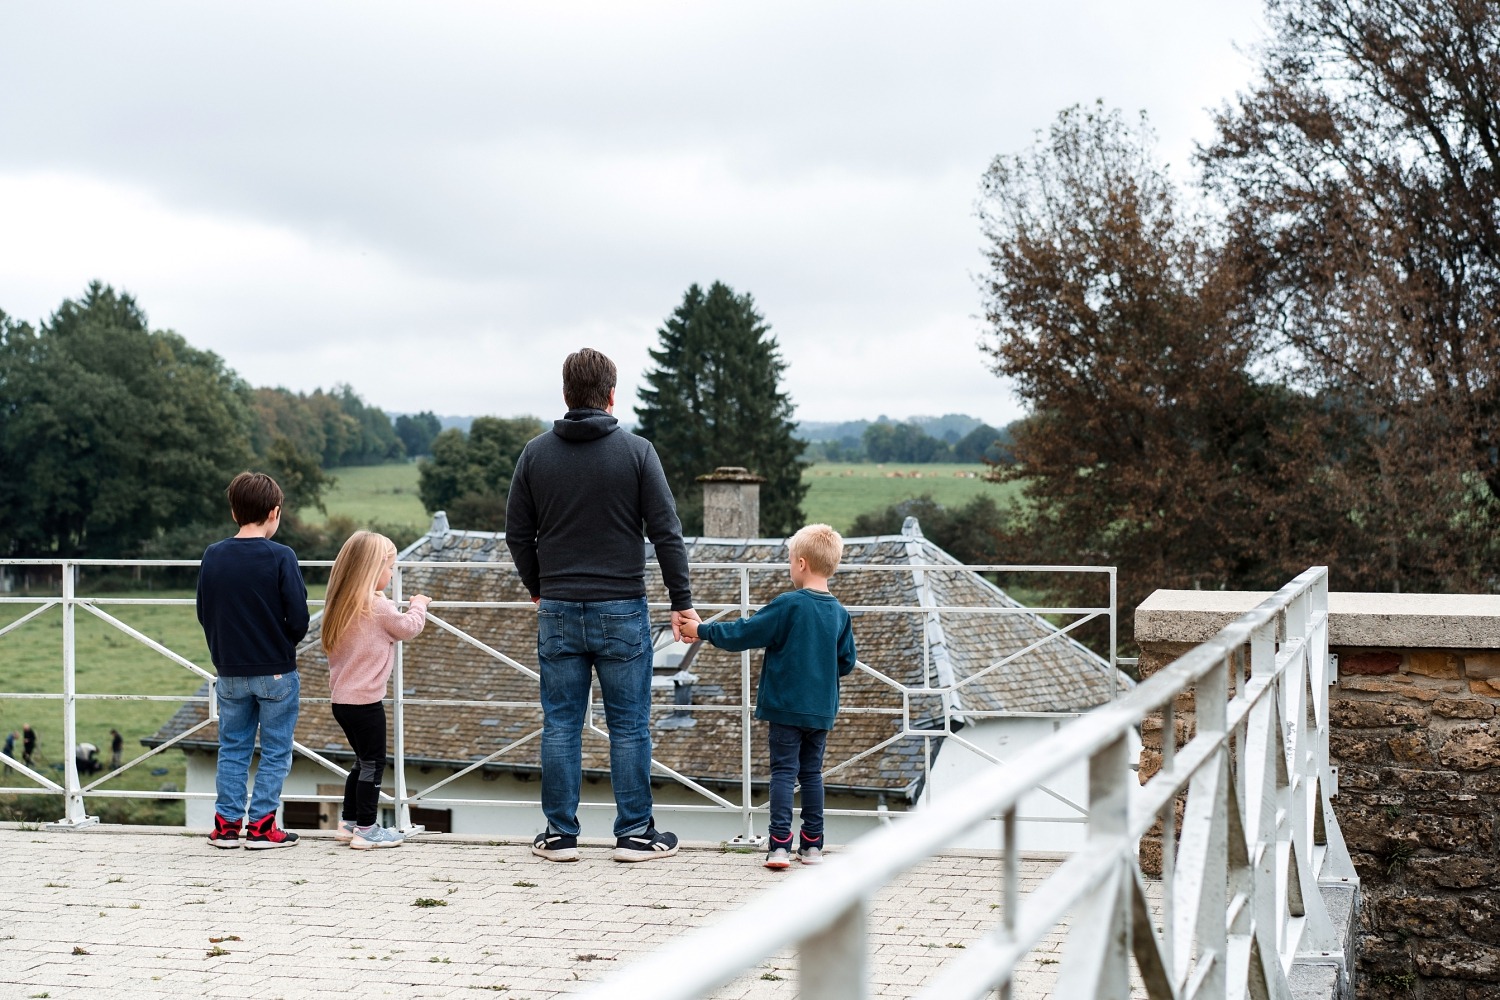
{"x": 731, "y": 503}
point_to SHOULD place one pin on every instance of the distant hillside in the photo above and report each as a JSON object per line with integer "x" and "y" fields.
{"x": 949, "y": 427}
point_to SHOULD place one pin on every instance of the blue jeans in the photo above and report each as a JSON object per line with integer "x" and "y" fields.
{"x": 573, "y": 640}
{"x": 797, "y": 756}
{"x": 268, "y": 703}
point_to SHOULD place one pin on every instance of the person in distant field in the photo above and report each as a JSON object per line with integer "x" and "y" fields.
{"x": 581, "y": 497}
{"x": 360, "y": 629}
{"x": 86, "y": 758}
{"x": 10, "y": 748}
{"x": 252, "y": 604}
{"x": 809, "y": 644}
{"x": 116, "y": 748}
{"x": 28, "y": 744}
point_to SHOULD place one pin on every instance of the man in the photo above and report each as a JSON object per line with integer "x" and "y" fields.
{"x": 579, "y": 498}
{"x": 116, "y": 748}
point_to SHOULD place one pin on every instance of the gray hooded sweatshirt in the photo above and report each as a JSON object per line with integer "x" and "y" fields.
{"x": 581, "y": 497}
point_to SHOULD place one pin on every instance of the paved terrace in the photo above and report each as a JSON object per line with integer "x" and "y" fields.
{"x": 136, "y": 915}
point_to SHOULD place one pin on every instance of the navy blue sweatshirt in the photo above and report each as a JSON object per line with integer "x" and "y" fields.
{"x": 252, "y": 605}
{"x": 809, "y": 644}
{"x": 580, "y": 497}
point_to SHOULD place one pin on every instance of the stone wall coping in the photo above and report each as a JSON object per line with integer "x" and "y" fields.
{"x": 1396, "y": 621}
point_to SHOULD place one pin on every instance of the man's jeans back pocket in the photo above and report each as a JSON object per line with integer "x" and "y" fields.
{"x": 625, "y": 636}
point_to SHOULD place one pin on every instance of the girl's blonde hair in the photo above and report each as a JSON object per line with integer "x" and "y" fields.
{"x": 351, "y": 585}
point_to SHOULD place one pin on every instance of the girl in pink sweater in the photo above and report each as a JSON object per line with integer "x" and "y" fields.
{"x": 361, "y": 627}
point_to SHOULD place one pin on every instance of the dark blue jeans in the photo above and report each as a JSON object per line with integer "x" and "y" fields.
{"x": 797, "y": 757}
{"x": 573, "y": 641}
{"x": 247, "y": 704}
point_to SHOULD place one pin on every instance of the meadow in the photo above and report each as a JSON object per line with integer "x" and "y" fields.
{"x": 837, "y": 494}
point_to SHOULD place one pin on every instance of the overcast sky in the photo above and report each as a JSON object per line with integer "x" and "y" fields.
{"x": 436, "y": 202}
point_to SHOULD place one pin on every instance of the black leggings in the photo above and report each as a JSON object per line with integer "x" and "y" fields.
{"x": 364, "y": 727}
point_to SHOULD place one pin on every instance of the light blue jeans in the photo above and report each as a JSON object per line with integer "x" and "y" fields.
{"x": 269, "y": 703}
{"x": 573, "y": 641}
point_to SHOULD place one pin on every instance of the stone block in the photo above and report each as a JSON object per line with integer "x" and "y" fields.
{"x": 1482, "y": 783}
{"x": 1490, "y": 688}
{"x": 1416, "y": 916}
{"x": 1471, "y": 749}
{"x": 1481, "y": 665}
{"x": 1416, "y": 688}
{"x": 1450, "y": 959}
{"x": 1410, "y": 748}
{"x": 1370, "y": 663}
{"x": 1479, "y": 916}
{"x": 1463, "y": 708}
{"x": 1355, "y": 778}
{"x": 1453, "y": 834}
{"x": 1457, "y": 872}
{"x": 1432, "y": 663}
{"x": 1418, "y": 780}
{"x": 1362, "y": 747}
{"x": 1372, "y": 714}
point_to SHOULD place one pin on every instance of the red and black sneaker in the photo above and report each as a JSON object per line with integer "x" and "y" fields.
{"x": 264, "y": 834}
{"x": 226, "y": 833}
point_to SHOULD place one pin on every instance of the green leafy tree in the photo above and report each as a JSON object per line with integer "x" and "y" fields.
{"x": 715, "y": 398}
{"x": 469, "y": 474}
{"x": 905, "y": 442}
{"x": 417, "y": 432}
{"x": 111, "y": 433}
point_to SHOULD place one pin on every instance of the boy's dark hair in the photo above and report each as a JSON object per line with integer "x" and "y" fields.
{"x": 252, "y": 497}
{"x": 587, "y": 378}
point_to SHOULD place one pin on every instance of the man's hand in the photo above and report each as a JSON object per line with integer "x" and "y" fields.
{"x": 678, "y": 618}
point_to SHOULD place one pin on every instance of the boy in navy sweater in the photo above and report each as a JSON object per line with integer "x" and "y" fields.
{"x": 809, "y": 645}
{"x": 252, "y": 605}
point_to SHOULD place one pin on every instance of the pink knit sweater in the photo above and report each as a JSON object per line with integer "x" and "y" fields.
{"x": 361, "y": 665}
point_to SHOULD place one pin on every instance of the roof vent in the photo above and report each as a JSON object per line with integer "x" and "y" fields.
{"x": 910, "y": 528}
{"x": 438, "y": 533}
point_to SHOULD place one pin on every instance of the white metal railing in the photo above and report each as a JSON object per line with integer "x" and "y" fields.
{"x": 949, "y": 693}
{"x": 1241, "y": 900}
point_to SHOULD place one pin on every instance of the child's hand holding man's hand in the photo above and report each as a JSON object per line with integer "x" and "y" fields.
{"x": 689, "y": 629}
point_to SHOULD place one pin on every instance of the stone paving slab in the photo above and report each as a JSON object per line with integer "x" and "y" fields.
{"x": 133, "y": 915}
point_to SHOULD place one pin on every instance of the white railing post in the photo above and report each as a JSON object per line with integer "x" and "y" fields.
{"x": 1096, "y": 961}
{"x": 75, "y": 814}
{"x": 747, "y": 820}
{"x": 833, "y": 963}
{"x": 398, "y": 724}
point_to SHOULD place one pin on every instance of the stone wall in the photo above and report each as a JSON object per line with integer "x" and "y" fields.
{"x": 1415, "y": 736}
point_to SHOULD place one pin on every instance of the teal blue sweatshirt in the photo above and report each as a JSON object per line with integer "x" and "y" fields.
{"x": 809, "y": 645}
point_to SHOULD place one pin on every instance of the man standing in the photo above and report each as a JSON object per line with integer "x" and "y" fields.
{"x": 580, "y": 498}
{"x": 28, "y": 744}
{"x": 116, "y": 748}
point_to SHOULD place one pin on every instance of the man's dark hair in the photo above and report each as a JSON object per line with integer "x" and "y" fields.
{"x": 587, "y": 378}
{"x": 252, "y": 497}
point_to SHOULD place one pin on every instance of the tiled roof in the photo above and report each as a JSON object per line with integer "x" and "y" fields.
{"x": 1058, "y": 676}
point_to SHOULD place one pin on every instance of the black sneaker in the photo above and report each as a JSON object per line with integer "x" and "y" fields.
{"x": 225, "y": 833}
{"x": 555, "y": 846}
{"x": 646, "y": 846}
{"x": 264, "y": 834}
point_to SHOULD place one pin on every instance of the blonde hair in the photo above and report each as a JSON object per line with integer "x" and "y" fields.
{"x": 820, "y": 545}
{"x": 351, "y": 585}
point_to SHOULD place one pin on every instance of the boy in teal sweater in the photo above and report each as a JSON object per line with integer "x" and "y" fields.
{"x": 809, "y": 645}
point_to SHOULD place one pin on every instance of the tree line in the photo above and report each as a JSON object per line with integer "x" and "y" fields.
{"x": 117, "y": 440}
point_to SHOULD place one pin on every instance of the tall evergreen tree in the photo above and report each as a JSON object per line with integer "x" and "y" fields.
{"x": 715, "y": 399}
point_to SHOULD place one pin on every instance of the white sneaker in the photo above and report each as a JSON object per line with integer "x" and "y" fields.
{"x": 778, "y": 857}
{"x": 345, "y": 831}
{"x": 375, "y": 836}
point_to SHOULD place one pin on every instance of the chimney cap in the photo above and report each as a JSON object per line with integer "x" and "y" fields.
{"x": 731, "y": 474}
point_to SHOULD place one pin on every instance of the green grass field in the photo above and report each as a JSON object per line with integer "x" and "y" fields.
{"x": 375, "y": 494}
{"x": 837, "y": 494}
{"x": 108, "y": 662}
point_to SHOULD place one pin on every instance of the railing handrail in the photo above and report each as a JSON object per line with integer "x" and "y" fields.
{"x": 802, "y": 909}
